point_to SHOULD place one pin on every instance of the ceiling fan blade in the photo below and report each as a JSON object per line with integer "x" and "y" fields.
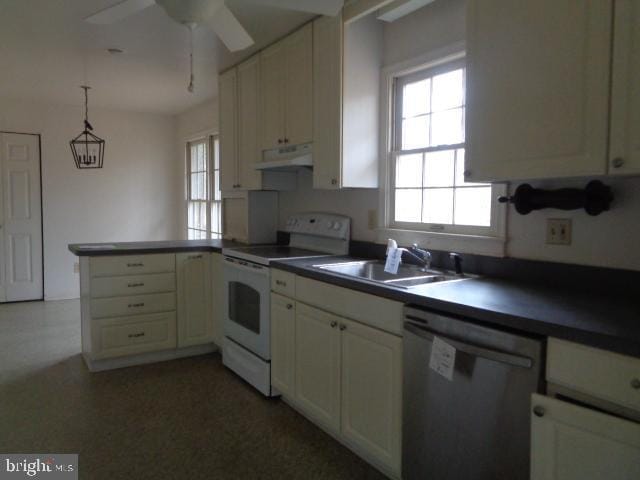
{"x": 319, "y": 7}
{"x": 229, "y": 29}
{"x": 118, "y": 11}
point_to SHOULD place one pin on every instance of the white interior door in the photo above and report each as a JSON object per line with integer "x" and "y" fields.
{"x": 20, "y": 218}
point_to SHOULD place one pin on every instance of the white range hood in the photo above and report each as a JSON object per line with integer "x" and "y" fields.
{"x": 291, "y": 157}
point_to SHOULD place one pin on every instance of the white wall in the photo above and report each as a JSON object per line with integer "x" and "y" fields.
{"x": 134, "y": 197}
{"x": 199, "y": 120}
{"x": 607, "y": 240}
{"x": 196, "y": 122}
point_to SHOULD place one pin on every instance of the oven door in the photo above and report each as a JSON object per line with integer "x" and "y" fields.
{"x": 246, "y": 305}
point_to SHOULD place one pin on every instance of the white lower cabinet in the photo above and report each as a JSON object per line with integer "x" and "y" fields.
{"x": 217, "y": 296}
{"x": 148, "y": 307}
{"x": 570, "y": 442}
{"x": 119, "y": 336}
{"x": 342, "y": 374}
{"x": 195, "y": 319}
{"x": 283, "y": 342}
{"x": 372, "y": 391}
{"x": 317, "y": 365}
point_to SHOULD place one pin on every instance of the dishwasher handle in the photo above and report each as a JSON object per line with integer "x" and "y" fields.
{"x": 470, "y": 349}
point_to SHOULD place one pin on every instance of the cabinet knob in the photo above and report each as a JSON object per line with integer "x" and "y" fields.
{"x": 635, "y": 383}
{"x": 334, "y": 181}
{"x": 286, "y": 140}
{"x": 279, "y": 140}
{"x": 282, "y": 283}
{"x": 334, "y": 324}
{"x": 289, "y": 306}
{"x": 538, "y": 411}
{"x": 617, "y": 162}
{"x": 343, "y": 326}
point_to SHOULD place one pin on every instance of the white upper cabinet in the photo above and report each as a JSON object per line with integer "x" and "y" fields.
{"x": 248, "y": 77}
{"x": 239, "y": 127}
{"x": 538, "y": 78}
{"x": 624, "y": 155}
{"x": 227, "y": 104}
{"x": 346, "y": 99}
{"x": 286, "y": 90}
{"x": 299, "y": 86}
{"x": 272, "y": 96}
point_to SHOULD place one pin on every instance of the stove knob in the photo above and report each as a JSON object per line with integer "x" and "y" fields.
{"x": 329, "y": 225}
{"x": 337, "y": 226}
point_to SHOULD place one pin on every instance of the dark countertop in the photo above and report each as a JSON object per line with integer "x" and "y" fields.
{"x": 602, "y": 321}
{"x": 164, "y": 246}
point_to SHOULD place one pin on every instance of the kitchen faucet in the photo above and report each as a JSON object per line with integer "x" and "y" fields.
{"x": 419, "y": 254}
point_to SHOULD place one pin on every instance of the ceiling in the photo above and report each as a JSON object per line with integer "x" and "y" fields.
{"x": 47, "y": 51}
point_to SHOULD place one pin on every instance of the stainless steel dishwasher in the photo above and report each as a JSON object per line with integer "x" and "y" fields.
{"x": 475, "y": 425}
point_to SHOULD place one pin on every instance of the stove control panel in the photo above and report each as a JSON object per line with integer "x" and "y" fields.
{"x": 320, "y": 225}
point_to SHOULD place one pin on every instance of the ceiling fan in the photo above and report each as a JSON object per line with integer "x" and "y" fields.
{"x": 213, "y": 14}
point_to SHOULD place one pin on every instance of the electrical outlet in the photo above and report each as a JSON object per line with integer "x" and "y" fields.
{"x": 373, "y": 219}
{"x": 558, "y": 231}
{"x": 76, "y": 267}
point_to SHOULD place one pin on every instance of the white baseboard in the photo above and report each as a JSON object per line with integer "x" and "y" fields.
{"x": 145, "y": 358}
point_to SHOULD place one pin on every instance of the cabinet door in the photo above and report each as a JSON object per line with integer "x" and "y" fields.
{"x": 217, "y": 296}
{"x": 575, "y": 443}
{"x": 299, "y": 86}
{"x": 317, "y": 365}
{"x": 195, "y": 322}
{"x": 372, "y": 392}
{"x": 537, "y": 88}
{"x": 327, "y": 101}
{"x": 248, "y": 149}
{"x": 272, "y": 81}
{"x": 624, "y": 155}
{"x": 228, "y": 130}
{"x": 283, "y": 340}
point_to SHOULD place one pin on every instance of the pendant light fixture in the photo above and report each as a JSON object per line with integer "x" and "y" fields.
{"x": 191, "y": 27}
{"x": 87, "y": 148}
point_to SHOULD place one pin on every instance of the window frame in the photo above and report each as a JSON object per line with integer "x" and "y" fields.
{"x": 210, "y": 174}
{"x": 464, "y": 238}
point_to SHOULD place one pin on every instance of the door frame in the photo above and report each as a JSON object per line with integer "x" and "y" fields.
{"x": 41, "y": 210}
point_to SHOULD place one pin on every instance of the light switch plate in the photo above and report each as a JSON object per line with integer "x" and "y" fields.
{"x": 558, "y": 231}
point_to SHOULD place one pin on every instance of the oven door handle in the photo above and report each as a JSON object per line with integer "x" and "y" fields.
{"x": 246, "y": 266}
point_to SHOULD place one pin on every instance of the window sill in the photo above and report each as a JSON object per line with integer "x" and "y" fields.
{"x": 450, "y": 242}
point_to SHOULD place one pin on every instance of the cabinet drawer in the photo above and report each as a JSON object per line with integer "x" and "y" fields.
{"x": 598, "y": 373}
{"x": 114, "y": 337}
{"x": 283, "y": 283}
{"x": 369, "y": 309}
{"x": 132, "y": 284}
{"x": 132, "y": 264}
{"x": 133, "y": 305}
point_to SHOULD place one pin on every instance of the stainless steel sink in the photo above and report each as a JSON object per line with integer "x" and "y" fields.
{"x": 373, "y": 270}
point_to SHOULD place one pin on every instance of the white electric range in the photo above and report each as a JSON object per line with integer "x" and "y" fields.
{"x": 247, "y": 290}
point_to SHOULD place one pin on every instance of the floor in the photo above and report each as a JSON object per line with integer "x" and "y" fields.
{"x": 188, "y": 418}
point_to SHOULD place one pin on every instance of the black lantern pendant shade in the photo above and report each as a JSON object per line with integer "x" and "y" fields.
{"x": 87, "y": 148}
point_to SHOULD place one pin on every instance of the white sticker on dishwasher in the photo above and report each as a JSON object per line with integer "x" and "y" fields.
{"x": 443, "y": 358}
{"x": 394, "y": 255}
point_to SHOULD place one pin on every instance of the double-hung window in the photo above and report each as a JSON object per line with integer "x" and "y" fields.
{"x": 427, "y": 187}
{"x": 204, "y": 209}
